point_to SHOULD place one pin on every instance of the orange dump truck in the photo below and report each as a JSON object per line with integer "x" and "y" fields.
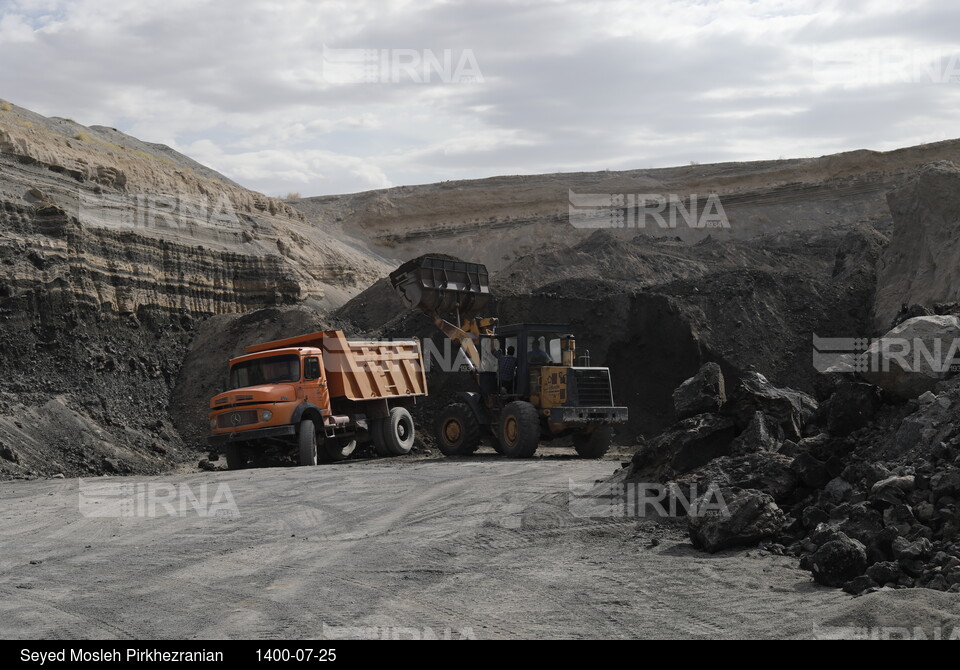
{"x": 320, "y": 394}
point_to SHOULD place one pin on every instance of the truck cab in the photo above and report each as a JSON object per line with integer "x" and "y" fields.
{"x": 266, "y": 391}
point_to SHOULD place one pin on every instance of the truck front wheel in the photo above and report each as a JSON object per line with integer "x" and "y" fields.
{"x": 308, "y": 443}
{"x": 398, "y": 432}
{"x": 234, "y": 456}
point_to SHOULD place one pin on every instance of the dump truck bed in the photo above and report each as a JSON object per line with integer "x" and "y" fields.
{"x": 362, "y": 369}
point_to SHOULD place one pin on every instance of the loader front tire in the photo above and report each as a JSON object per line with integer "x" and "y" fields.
{"x": 458, "y": 432}
{"x": 519, "y": 433}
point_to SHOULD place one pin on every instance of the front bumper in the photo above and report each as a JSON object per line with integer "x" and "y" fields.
{"x": 588, "y": 415}
{"x": 247, "y": 435}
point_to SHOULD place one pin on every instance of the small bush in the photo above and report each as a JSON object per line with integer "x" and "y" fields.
{"x": 83, "y": 137}
{"x": 292, "y": 196}
{"x": 6, "y": 107}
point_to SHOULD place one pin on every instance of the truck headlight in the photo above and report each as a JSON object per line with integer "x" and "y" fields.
{"x": 266, "y": 415}
{"x": 213, "y": 424}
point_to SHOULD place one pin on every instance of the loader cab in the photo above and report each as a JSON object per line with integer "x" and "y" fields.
{"x": 526, "y": 339}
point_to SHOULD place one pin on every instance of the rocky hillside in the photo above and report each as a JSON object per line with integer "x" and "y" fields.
{"x": 112, "y": 250}
{"x": 128, "y": 225}
{"x": 503, "y": 218}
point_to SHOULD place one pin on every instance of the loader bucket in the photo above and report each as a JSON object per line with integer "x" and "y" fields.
{"x": 439, "y": 285}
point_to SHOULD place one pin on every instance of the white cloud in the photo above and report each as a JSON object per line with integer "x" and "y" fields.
{"x": 565, "y": 85}
{"x": 280, "y": 172}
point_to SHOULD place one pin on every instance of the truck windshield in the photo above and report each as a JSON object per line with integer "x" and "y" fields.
{"x": 269, "y": 370}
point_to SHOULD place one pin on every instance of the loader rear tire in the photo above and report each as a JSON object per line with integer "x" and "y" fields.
{"x": 234, "y": 456}
{"x": 458, "y": 432}
{"x": 519, "y": 433}
{"x": 594, "y": 444}
{"x": 308, "y": 443}
{"x": 399, "y": 432}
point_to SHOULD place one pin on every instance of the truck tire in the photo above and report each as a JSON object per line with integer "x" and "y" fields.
{"x": 398, "y": 432}
{"x": 234, "y": 456}
{"x": 594, "y": 444}
{"x": 376, "y": 437}
{"x": 458, "y": 432}
{"x": 308, "y": 443}
{"x": 339, "y": 449}
{"x": 519, "y": 433}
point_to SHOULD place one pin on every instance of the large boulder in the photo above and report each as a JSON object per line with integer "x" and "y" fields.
{"x": 810, "y": 471}
{"x": 704, "y": 393}
{"x": 838, "y": 561}
{"x": 761, "y": 434}
{"x": 790, "y": 409}
{"x": 921, "y": 265}
{"x": 683, "y": 447}
{"x": 747, "y": 518}
{"x": 763, "y": 471}
{"x": 934, "y": 422}
{"x": 851, "y": 407}
{"x": 913, "y": 357}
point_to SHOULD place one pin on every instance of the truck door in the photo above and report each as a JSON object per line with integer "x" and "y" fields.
{"x": 315, "y": 382}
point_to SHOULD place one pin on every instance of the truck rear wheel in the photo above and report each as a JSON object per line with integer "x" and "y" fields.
{"x": 594, "y": 444}
{"x": 398, "y": 432}
{"x": 519, "y": 430}
{"x": 458, "y": 433}
{"x": 234, "y": 456}
{"x": 376, "y": 437}
{"x": 339, "y": 449}
{"x": 308, "y": 443}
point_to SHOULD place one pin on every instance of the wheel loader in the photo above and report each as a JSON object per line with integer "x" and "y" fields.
{"x": 542, "y": 391}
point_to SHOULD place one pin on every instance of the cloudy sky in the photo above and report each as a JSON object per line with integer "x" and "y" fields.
{"x": 350, "y": 95}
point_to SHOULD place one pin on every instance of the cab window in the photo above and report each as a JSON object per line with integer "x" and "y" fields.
{"x": 311, "y": 368}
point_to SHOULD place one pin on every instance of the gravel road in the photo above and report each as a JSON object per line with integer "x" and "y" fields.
{"x": 476, "y": 548}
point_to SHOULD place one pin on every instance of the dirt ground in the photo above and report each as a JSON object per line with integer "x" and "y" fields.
{"x": 479, "y": 547}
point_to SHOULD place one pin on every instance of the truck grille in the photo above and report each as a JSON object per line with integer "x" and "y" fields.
{"x": 593, "y": 387}
{"x": 243, "y": 417}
